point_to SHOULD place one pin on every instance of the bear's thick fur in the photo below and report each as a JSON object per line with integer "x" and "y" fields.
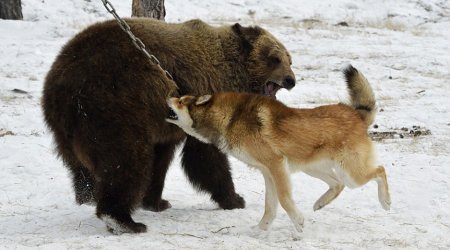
{"x": 105, "y": 104}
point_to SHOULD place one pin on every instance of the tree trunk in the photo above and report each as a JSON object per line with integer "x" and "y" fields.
{"x": 149, "y": 8}
{"x": 11, "y": 9}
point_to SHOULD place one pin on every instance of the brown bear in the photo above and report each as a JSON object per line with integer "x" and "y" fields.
{"x": 105, "y": 104}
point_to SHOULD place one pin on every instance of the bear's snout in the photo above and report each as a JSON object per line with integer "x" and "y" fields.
{"x": 289, "y": 82}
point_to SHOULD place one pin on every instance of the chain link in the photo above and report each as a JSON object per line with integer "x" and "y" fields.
{"x": 136, "y": 41}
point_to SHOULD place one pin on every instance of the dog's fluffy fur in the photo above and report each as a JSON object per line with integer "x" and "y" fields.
{"x": 328, "y": 142}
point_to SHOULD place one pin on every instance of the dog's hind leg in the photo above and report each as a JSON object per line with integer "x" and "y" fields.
{"x": 383, "y": 188}
{"x": 355, "y": 173}
{"x": 271, "y": 202}
{"x": 379, "y": 175}
{"x": 282, "y": 181}
{"x": 335, "y": 186}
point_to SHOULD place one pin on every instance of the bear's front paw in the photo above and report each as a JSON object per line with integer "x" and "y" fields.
{"x": 157, "y": 206}
{"x": 231, "y": 202}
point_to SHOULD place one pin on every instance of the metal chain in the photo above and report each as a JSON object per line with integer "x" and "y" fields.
{"x": 136, "y": 41}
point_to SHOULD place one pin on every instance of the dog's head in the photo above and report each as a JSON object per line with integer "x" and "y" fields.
{"x": 188, "y": 112}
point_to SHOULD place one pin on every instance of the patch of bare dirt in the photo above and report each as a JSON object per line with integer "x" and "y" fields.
{"x": 399, "y": 133}
{"x": 4, "y": 132}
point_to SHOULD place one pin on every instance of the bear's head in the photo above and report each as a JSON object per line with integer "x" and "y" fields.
{"x": 269, "y": 63}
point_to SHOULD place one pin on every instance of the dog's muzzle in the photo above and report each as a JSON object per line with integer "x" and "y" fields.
{"x": 172, "y": 115}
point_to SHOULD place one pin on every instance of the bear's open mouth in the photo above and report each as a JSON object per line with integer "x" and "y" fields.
{"x": 172, "y": 115}
{"x": 271, "y": 88}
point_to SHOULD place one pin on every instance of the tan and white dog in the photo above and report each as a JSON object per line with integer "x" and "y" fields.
{"x": 328, "y": 142}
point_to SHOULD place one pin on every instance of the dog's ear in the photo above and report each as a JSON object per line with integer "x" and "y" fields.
{"x": 187, "y": 99}
{"x": 203, "y": 99}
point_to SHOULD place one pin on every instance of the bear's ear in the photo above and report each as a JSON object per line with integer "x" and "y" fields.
{"x": 203, "y": 99}
{"x": 248, "y": 34}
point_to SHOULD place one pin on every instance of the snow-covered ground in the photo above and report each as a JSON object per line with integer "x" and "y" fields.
{"x": 401, "y": 46}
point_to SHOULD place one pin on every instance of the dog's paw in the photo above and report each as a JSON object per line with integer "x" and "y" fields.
{"x": 319, "y": 205}
{"x": 256, "y": 232}
{"x": 385, "y": 200}
{"x": 258, "y": 227}
{"x": 298, "y": 223}
{"x": 263, "y": 225}
{"x": 386, "y": 204}
{"x": 299, "y": 227}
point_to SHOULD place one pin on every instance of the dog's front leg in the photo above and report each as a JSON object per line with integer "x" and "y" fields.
{"x": 282, "y": 180}
{"x": 271, "y": 202}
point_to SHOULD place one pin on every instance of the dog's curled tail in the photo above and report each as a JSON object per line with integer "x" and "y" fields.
{"x": 361, "y": 94}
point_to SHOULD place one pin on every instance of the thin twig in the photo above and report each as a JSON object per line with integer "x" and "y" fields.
{"x": 183, "y": 234}
{"x": 221, "y": 229}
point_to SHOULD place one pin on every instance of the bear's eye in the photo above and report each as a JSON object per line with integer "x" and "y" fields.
{"x": 275, "y": 60}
